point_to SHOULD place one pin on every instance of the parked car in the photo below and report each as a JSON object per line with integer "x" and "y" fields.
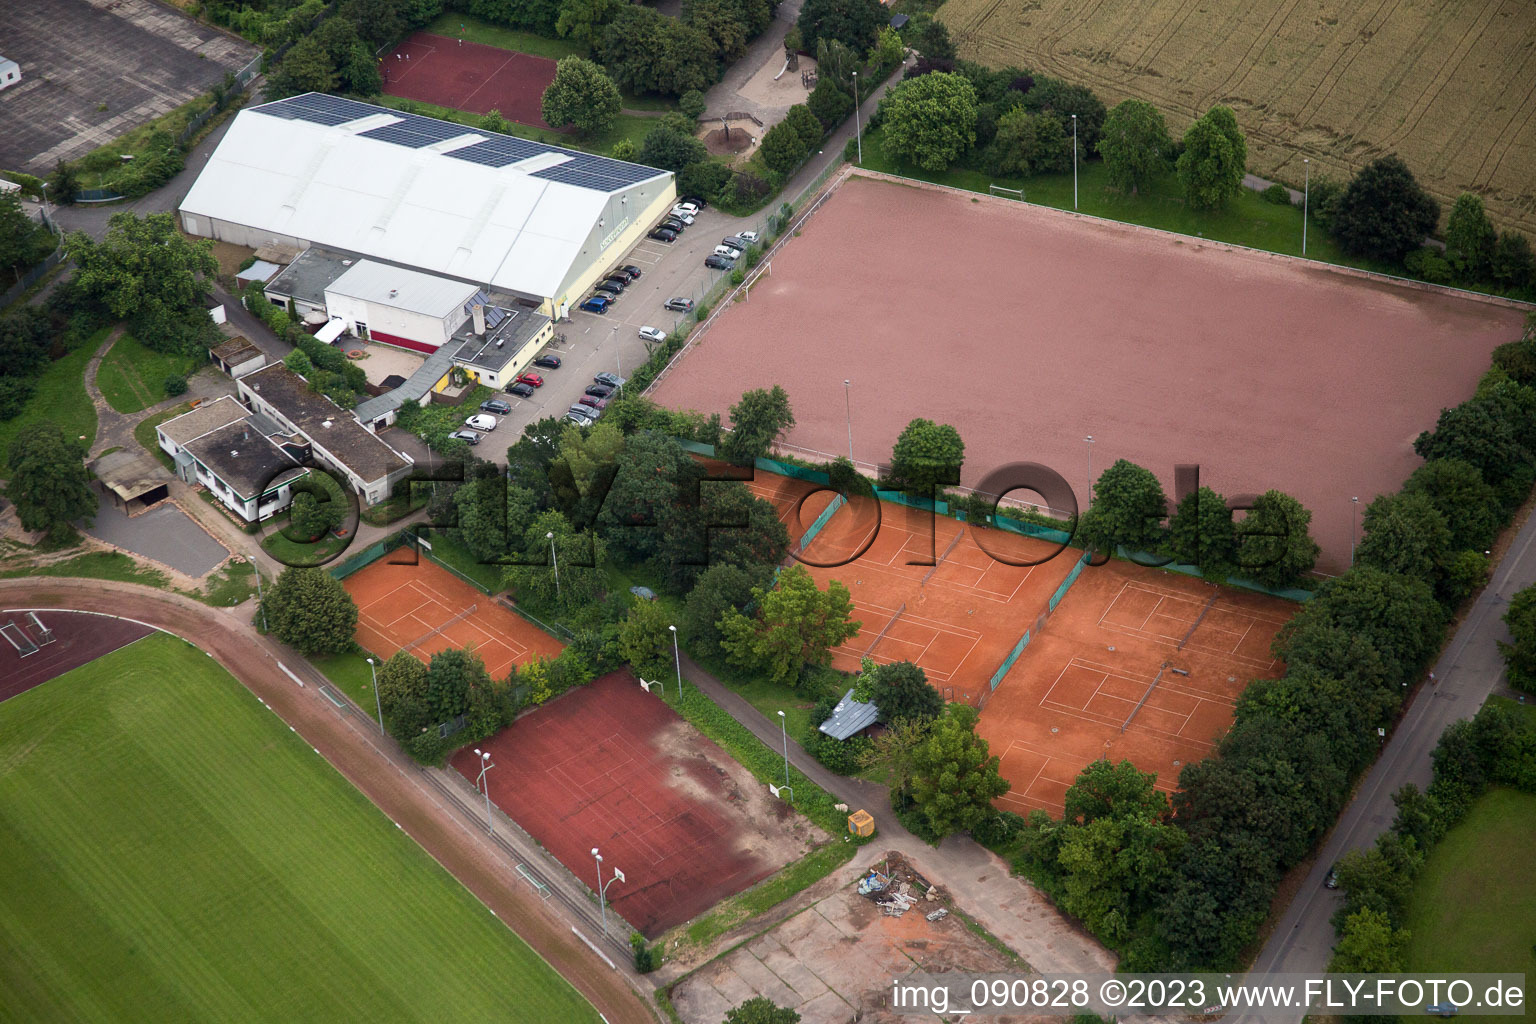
{"x": 467, "y": 436}
{"x": 495, "y": 405}
{"x": 592, "y": 401}
{"x": 520, "y": 389}
{"x": 683, "y": 206}
{"x": 1332, "y": 881}
{"x": 548, "y": 361}
{"x": 735, "y": 242}
{"x": 717, "y": 262}
{"x": 613, "y": 380}
{"x": 728, "y": 252}
{"x": 693, "y": 201}
{"x": 653, "y": 334}
{"x": 531, "y": 378}
{"x": 480, "y": 421}
{"x": 580, "y": 421}
{"x": 750, "y": 237}
{"x": 613, "y": 288}
{"x": 678, "y": 304}
{"x": 682, "y": 215}
{"x": 597, "y": 304}
{"x": 583, "y": 410}
{"x": 599, "y": 390}
{"x": 630, "y": 271}
{"x": 674, "y": 224}
{"x": 663, "y": 234}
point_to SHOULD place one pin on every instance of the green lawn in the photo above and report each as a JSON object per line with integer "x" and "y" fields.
{"x": 447, "y": 549}
{"x": 1474, "y": 904}
{"x": 60, "y": 396}
{"x": 132, "y": 377}
{"x": 349, "y": 673}
{"x": 172, "y": 851}
{"x": 1247, "y": 220}
{"x": 97, "y": 565}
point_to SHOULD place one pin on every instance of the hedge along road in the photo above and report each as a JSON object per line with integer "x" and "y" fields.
{"x": 378, "y": 772}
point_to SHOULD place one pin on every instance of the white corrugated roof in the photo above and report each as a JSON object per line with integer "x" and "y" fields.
{"x": 333, "y": 187}
{"x": 399, "y": 288}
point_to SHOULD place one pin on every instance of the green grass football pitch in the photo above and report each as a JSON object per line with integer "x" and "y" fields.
{"x": 170, "y": 850}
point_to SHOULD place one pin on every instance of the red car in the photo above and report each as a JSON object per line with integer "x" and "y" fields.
{"x": 593, "y": 401}
{"x": 533, "y": 380}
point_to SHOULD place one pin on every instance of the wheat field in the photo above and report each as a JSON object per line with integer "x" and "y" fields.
{"x": 1448, "y": 85}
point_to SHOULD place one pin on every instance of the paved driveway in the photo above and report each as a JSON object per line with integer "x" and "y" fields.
{"x": 166, "y": 534}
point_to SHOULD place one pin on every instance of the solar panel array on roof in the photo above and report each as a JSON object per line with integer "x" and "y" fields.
{"x": 477, "y": 299}
{"x": 413, "y": 131}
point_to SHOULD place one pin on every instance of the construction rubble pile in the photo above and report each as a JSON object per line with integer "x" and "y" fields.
{"x": 898, "y": 889}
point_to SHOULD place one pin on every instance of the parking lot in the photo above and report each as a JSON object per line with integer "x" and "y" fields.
{"x": 595, "y": 343}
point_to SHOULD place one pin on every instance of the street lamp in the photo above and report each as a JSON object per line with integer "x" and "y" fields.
{"x": 376, "y": 699}
{"x": 550, "y": 536}
{"x": 848, "y": 414}
{"x": 485, "y": 766}
{"x": 1089, "y": 442}
{"x": 1306, "y": 193}
{"x": 602, "y": 889}
{"x": 784, "y": 731}
{"x": 858, "y": 129}
{"x": 677, "y": 663}
{"x": 1354, "y": 515}
{"x": 617, "y": 355}
{"x": 1074, "y": 161}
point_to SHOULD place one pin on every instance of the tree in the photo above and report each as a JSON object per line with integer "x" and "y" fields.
{"x": 721, "y": 23}
{"x": 795, "y": 625}
{"x": 360, "y": 72}
{"x": 575, "y": 576}
{"x": 26, "y": 336}
{"x": 312, "y": 517}
{"x": 580, "y": 95}
{"x": 1369, "y": 944}
{"x": 757, "y": 422}
{"x": 692, "y": 104}
{"x": 1135, "y": 145}
{"x": 760, "y": 1010}
{"x": 726, "y": 525}
{"x": 1469, "y": 239}
{"x": 307, "y": 67}
{"x": 900, "y": 690}
{"x": 311, "y": 611}
{"x": 452, "y": 677}
{"x": 927, "y": 456}
{"x": 720, "y": 588}
{"x": 1026, "y": 144}
{"x": 891, "y": 755}
{"x": 646, "y": 52}
{"x": 64, "y": 183}
{"x": 888, "y": 50}
{"x": 492, "y": 121}
{"x": 48, "y": 482}
{"x": 1397, "y": 616}
{"x": 653, "y": 475}
{"x": 669, "y": 149}
{"x": 830, "y": 104}
{"x": 1404, "y": 534}
{"x": 1512, "y": 263}
{"x": 1214, "y": 160}
{"x": 707, "y": 178}
{"x": 645, "y": 641}
{"x": 582, "y": 20}
{"x": 1201, "y": 533}
{"x": 146, "y": 272}
{"x": 1470, "y": 507}
{"x": 1520, "y": 656}
{"x": 954, "y": 776}
{"x": 1274, "y": 548}
{"x": 1127, "y": 511}
{"x": 929, "y": 121}
{"x": 806, "y": 124}
{"x": 1107, "y": 790}
{"x": 1385, "y": 213}
{"x": 783, "y": 148}
{"x": 1483, "y": 432}
{"x": 22, "y": 243}
{"x": 854, "y": 23}
{"x": 1061, "y": 100}
{"x": 624, "y": 149}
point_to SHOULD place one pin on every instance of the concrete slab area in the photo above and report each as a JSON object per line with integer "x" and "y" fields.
{"x": 164, "y": 533}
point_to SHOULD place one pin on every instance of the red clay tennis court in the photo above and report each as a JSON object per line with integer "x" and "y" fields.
{"x": 77, "y": 638}
{"x": 610, "y": 766}
{"x": 1134, "y": 664}
{"x": 451, "y": 73}
{"x": 426, "y": 609}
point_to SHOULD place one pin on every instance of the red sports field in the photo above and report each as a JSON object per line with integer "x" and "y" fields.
{"x": 424, "y": 606}
{"x": 1068, "y": 698}
{"x": 468, "y": 76}
{"x": 611, "y": 766}
{"x": 1029, "y": 329}
{"x": 78, "y": 637}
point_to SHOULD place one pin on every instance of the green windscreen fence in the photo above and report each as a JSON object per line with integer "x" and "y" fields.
{"x": 1018, "y": 648}
{"x": 368, "y": 555}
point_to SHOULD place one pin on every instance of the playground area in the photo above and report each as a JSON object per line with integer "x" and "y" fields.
{"x": 1136, "y": 665}
{"x": 424, "y": 608}
{"x": 43, "y": 645}
{"x": 468, "y": 76}
{"x": 611, "y": 766}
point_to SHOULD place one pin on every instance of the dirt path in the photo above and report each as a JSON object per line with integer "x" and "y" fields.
{"x": 379, "y": 772}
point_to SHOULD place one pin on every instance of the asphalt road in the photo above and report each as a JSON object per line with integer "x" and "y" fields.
{"x": 1468, "y": 671}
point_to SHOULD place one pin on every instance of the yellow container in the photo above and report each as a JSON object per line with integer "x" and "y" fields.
{"x": 861, "y": 823}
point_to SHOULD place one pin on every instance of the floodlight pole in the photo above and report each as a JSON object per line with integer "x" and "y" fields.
{"x": 677, "y": 662}
{"x": 848, "y": 414}
{"x": 602, "y": 887}
{"x": 617, "y": 355}
{"x": 377, "y": 700}
{"x": 858, "y": 129}
{"x": 1074, "y": 161}
{"x": 550, "y": 536}
{"x": 784, "y": 731}
{"x": 485, "y": 766}
{"x": 1354, "y": 515}
{"x": 1306, "y": 195}
{"x": 1089, "y": 441}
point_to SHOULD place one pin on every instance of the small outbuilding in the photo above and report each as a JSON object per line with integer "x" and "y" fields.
{"x": 850, "y": 717}
{"x": 238, "y": 357}
{"x": 10, "y": 72}
{"x": 132, "y": 480}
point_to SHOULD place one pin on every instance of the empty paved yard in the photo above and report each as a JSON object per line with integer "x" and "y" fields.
{"x": 166, "y": 534}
